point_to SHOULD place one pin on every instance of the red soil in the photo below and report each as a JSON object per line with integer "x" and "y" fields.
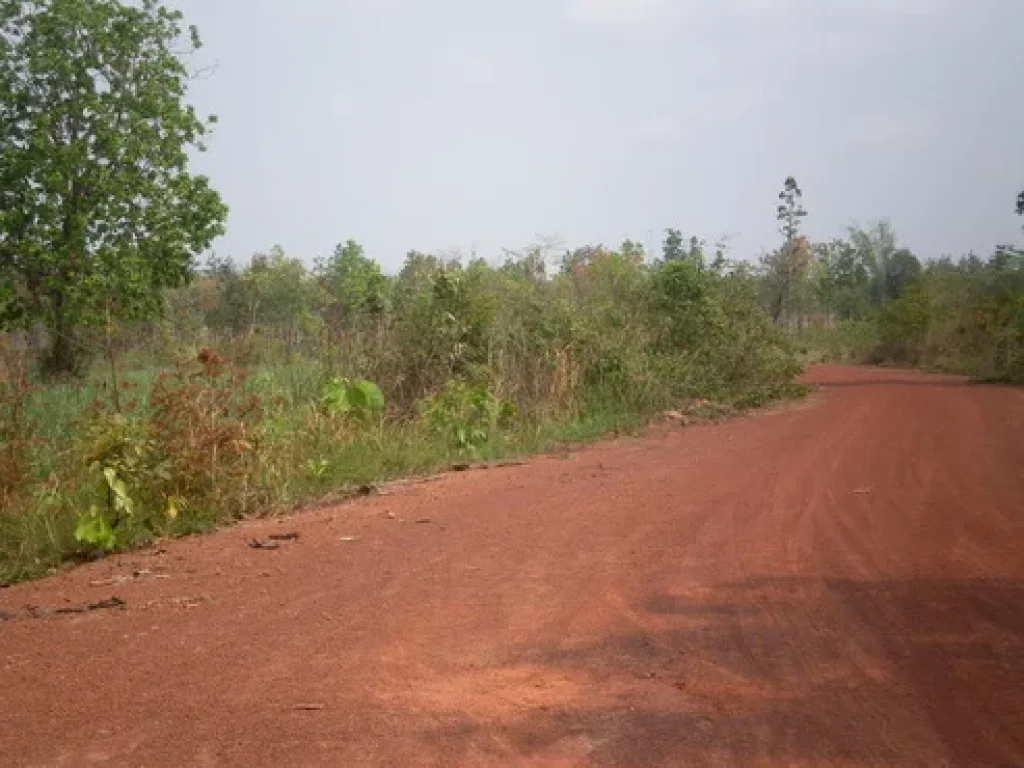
{"x": 837, "y": 581}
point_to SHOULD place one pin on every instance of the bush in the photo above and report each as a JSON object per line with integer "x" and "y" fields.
{"x": 475, "y": 361}
{"x": 186, "y": 460}
{"x": 207, "y": 429}
{"x": 354, "y": 399}
{"x": 902, "y": 327}
{"x": 122, "y": 472}
{"x": 17, "y": 433}
{"x": 466, "y": 416}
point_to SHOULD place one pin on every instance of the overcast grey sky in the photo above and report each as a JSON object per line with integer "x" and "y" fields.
{"x": 437, "y": 124}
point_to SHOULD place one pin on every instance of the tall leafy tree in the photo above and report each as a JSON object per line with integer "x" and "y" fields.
{"x": 903, "y": 270}
{"x": 98, "y": 209}
{"x": 633, "y": 252}
{"x": 791, "y": 209}
{"x": 356, "y": 287}
{"x": 676, "y": 247}
{"x": 1007, "y": 249}
{"x": 876, "y": 246}
{"x": 787, "y": 269}
{"x": 280, "y": 294}
{"x": 672, "y": 249}
{"x": 843, "y": 280}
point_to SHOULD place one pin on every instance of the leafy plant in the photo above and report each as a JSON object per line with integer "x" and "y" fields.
{"x": 124, "y": 469}
{"x": 466, "y": 415}
{"x": 318, "y": 467}
{"x": 359, "y": 399}
{"x": 94, "y": 528}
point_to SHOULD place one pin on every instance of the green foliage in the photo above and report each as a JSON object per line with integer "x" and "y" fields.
{"x": 356, "y": 287}
{"x": 99, "y": 213}
{"x": 963, "y": 316}
{"x": 359, "y": 399}
{"x": 786, "y": 272}
{"x": 680, "y": 294}
{"x": 121, "y": 466}
{"x": 318, "y": 467}
{"x": 843, "y": 280}
{"x": 466, "y": 415}
{"x": 977, "y": 324}
{"x": 790, "y": 210}
{"x": 443, "y": 320}
{"x": 866, "y": 299}
{"x": 672, "y": 249}
{"x": 278, "y": 293}
{"x": 93, "y": 528}
{"x": 902, "y": 326}
{"x": 848, "y": 341}
{"x": 892, "y": 269}
{"x": 902, "y": 272}
{"x": 477, "y": 361}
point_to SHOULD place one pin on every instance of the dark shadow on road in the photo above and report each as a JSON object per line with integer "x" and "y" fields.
{"x": 918, "y": 671}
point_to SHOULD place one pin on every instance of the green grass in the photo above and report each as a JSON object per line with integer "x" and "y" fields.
{"x": 303, "y": 457}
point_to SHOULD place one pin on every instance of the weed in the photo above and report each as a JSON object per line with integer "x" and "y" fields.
{"x": 17, "y": 433}
{"x": 206, "y": 430}
{"x": 466, "y": 415}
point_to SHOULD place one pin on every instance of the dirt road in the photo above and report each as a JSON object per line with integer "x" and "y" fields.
{"x": 838, "y": 581}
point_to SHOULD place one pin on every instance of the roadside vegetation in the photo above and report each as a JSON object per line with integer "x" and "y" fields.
{"x": 864, "y": 299}
{"x": 147, "y": 391}
{"x": 263, "y": 387}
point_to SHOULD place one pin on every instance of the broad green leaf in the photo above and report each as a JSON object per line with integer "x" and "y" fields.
{"x": 366, "y": 397}
{"x": 94, "y": 529}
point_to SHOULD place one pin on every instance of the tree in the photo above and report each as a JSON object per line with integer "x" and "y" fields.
{"x": 231, "y": 310}
{"x": 786, "y": 279}
{"x": 843, "y": 281}
{"x": 696, "y": 252}
{"x": 355, "y": 284}
{"x": 98, "y": 211}
{"x": 280, "y": 294}
{"x": 633, "y": 252}
{"x": 876, "y": 247}
{"x": 672, "y": 249}
{"x": 579, "y": 260}
{"x": 787, "y": 269}
{"x": 679, "y": 295}
{"x": 528, "y": 264}
{"x": 903, "y": 270}
{"x": 676, "y": 247}
{"x": 790, "y": 210}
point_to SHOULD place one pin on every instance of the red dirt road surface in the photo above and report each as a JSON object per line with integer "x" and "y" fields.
{"x": 838, "y": 581}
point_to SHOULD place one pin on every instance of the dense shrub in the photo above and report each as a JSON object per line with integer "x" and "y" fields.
{"x": 340, "y": 376}
{"x": 963, "y": 316}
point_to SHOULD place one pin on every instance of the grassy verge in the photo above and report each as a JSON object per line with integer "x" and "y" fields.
{"x": 148, "y": 469}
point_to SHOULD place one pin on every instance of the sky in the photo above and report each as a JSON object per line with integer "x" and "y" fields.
{"x": 479, "y": 125}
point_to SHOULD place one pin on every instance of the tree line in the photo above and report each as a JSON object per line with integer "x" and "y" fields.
{"x": 866, "y": 298}
{"x": 101, "y": 223}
